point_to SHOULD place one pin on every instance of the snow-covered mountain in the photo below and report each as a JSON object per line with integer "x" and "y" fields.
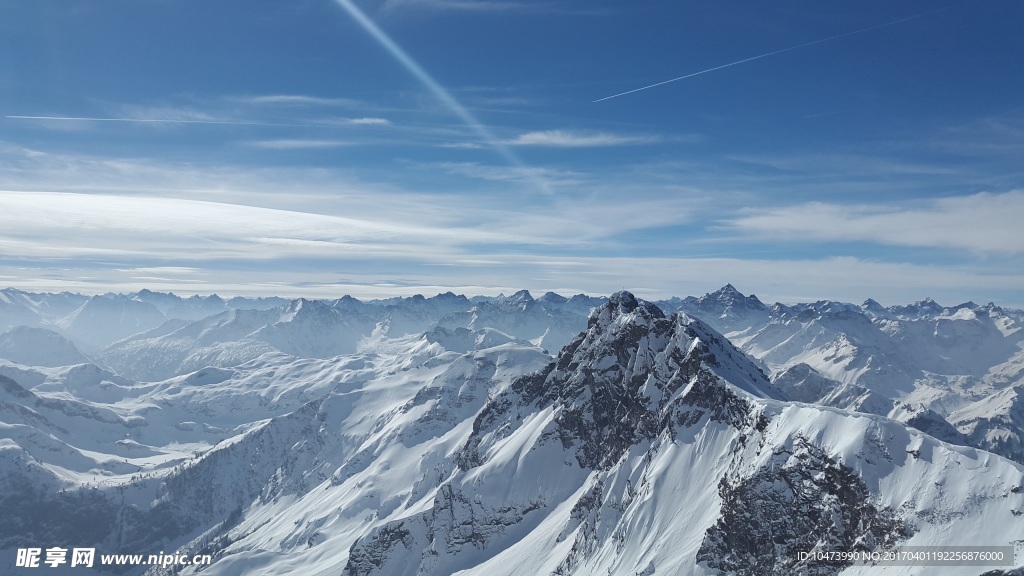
{"x": 447, "y": 435}
{"x": 923, "y": 364}
{"x": 19, "y": 308}
{"x": 318, "y": 329}
{"x": 550, "y": 323}
{"x": 726, "y": 308}
{"x": 94, "y": 322}
{"x": 641, "y": 450}
{"x": 108, "y": 318}
{"x": 179, "y": 347}
{"x": 38, "y": 347}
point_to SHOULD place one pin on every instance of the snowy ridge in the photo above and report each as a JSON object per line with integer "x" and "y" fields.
{"x": 649, "y": 444}
{"x": 922, "y": 363}
{"x": 608, "y": 508}
{"x": 39, "y": 347}
{"x": 550, "y": 323}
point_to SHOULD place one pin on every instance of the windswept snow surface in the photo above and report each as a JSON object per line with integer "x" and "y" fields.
{"x": 446, "y": 435}
{"x": 950, "y": 371}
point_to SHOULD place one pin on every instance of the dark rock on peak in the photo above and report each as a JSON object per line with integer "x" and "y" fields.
{"x": 728, "y": 294}
{"x": 726, "y": 309}
{"x": 625, "y": 303}
{"x": 616, "y": 384}
{"x": 802, "y": 499}
{"x": 874, "y": 309}
{"x": 521, "y": 296}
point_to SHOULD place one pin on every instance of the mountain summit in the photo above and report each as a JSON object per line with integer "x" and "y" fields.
{"x": 433, "y": 436}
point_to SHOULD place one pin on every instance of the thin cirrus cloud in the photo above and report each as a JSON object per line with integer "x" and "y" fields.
{"x": 293, "y": 189}
{"x": 512, "y": 174}
{"x": 570, "y": 139}
{"x": 297, "y": 100}
{"x": 982, "y": 223}
{"x": 368, "y": 121}
{"x": 69, "y": 225}
{"x": 213, "y": 114}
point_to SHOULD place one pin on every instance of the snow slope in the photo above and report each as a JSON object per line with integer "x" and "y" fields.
{"x": 649, "y": 444}
{"x": 922, "y": 363}
{"x": 38, "y": 347}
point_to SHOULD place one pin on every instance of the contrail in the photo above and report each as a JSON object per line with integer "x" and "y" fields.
{"x": 439, "y": 92}
{"x": 804, "y": 45}
{"x": 160, "y": 121}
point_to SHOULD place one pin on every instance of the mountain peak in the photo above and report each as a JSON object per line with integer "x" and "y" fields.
{"x": 304, "y": 308}
{"x": 624, "y": 302}
{"x": 521, "y": 296}
{"x": 616, "y": 384}
{"x": 622, "y": 308}
{"x": 725, "y": 307}
{"x": 553, "y": 298}
{"x": 873, "y": 309}
{"x": 729, "y": 293}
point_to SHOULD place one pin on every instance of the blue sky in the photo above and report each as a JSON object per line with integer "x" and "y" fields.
{"x": 324, "y": 147}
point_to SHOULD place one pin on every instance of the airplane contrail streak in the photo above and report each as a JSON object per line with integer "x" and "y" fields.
{"x": 759, "y": 56}
{"x": 427, "y": 80}
{"x": 161, "y": 121}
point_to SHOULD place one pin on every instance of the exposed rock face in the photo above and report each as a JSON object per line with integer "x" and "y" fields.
{"x": 616, "y": 384}
{"x": 648, "y": 445}
{"x": 726, "y": 309}
{"x": 634, "y": 375}
{"x": 800, "y": 501}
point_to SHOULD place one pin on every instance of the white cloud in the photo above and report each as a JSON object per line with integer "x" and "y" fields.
{"x": 518, "y": 174}
{"x": 597, "y": 210}
{"x": 167, "y": 114}
{"x": 989, "y": 138}
{"x": 369, "y": 121}
{"x": 166, "y": 270}
{"x": 570, "y": 139}
{"x": 983, "y": 223}
{"x": 97, "y": 224}
{"x": 298, "y": 100}
{"x": 846, "y": 165}
{"x": 366, "y": 121}
{"x": 63, "y": 225}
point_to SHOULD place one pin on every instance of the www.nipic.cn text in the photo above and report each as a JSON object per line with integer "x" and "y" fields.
{"x": 87, "y": 558}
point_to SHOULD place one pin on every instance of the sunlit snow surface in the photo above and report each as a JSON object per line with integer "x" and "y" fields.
{"x": 443, "y": 437}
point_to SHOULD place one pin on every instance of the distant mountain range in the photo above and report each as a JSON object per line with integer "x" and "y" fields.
{"x": 508, "y": 435}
